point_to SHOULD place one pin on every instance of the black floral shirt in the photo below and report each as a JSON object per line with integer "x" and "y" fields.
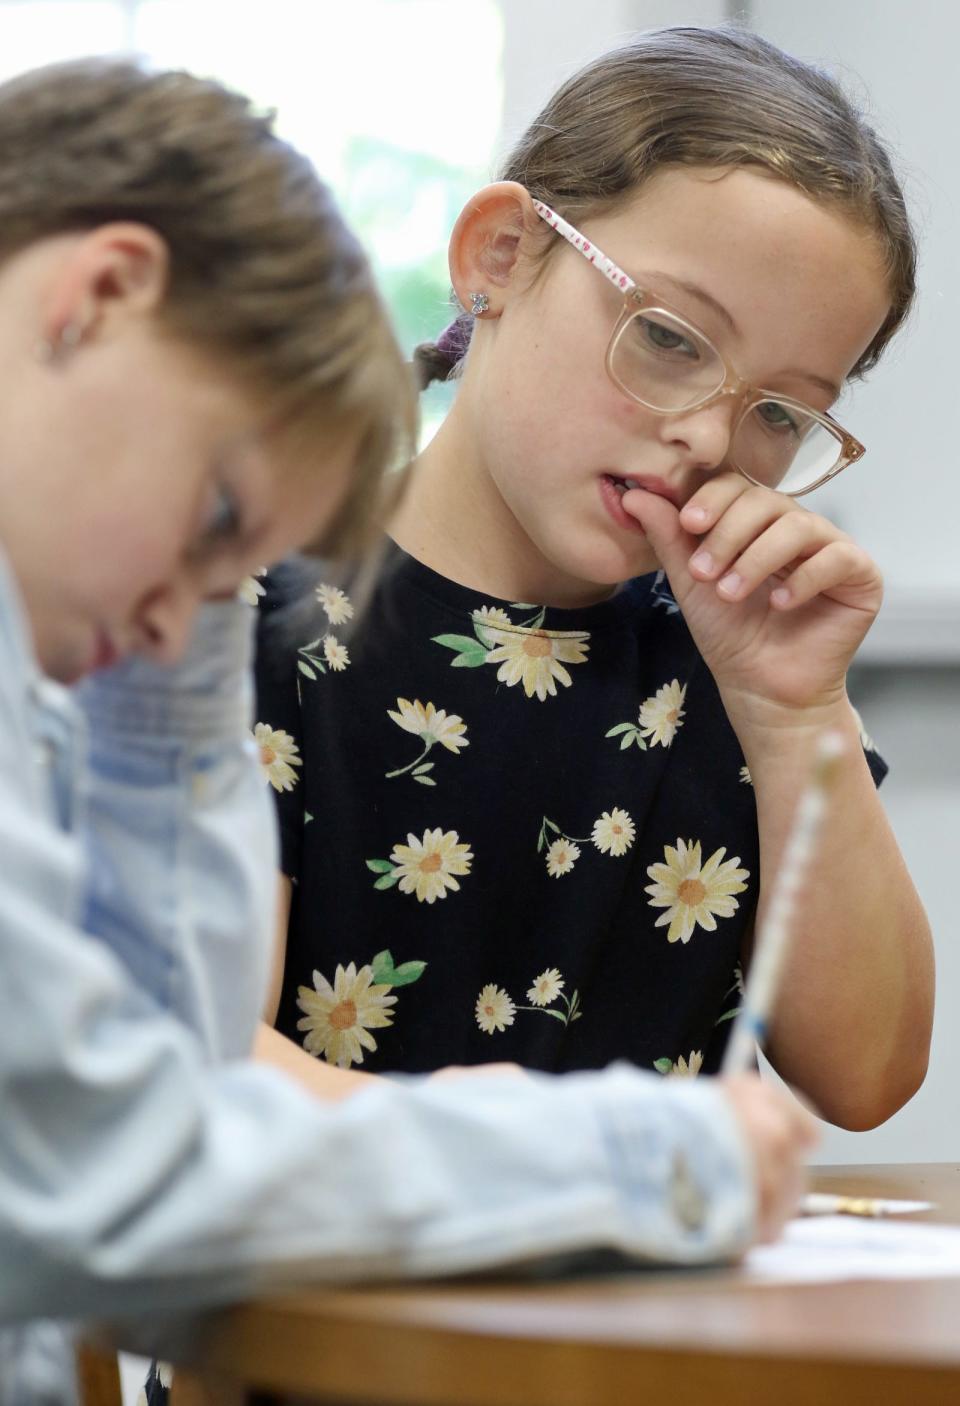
{"x": 515, "y": 833}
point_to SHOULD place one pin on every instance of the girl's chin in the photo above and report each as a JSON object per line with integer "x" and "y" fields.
{"x": 592, "y": 578}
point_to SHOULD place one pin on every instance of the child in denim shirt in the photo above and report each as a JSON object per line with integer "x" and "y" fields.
{"x": 197, "y": 378}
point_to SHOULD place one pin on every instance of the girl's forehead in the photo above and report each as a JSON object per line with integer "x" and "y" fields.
{"x": 769, "y": 273}
{"x": 738, "y": 230}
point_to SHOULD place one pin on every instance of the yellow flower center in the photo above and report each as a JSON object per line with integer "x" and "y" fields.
{"x": 672, "y": 715}
{"x": 430, "y": 863}
{"x": 344, "y": 1016}
{"x": 616, "y": 829}
{"x": 489, "y": 1010}
{"x": 267, "y": 755}
{"x": 691, "y": 892}
{"x": 538, "y": 645}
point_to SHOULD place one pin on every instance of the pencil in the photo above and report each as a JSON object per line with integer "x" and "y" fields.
{"x": 819, "y": 1203}
{"x": 750, "y": 1027}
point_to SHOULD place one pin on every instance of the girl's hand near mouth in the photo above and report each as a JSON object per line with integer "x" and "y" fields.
{"x": 777, "y": 598}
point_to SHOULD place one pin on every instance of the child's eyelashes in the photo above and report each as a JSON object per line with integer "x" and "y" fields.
{"x": 223, "y": 521}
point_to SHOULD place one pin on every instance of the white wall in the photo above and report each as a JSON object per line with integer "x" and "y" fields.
{"x": 545, "y": 41}
{"x": 903, "y": 501}
{"x": 913, "y": 718}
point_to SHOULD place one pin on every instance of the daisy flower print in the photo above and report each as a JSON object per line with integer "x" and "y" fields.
{"x": 494, "y": 1009}
{"x": 661, "y": 715}
{"x": 536, "y": 658}
{"x": 561, "y": 857}
{"x": 428, "y": 867}
{"x": 614, "y": 832}
{"x": 250, "y": 589}
{"x": 336, "y": 604}
{"x": 335, "y": 653}
{"x": 546, "y": 987}
{"x": 338, "y": 1019}
{"x": 279, "y": 754}
{"x": 694, "y": 894}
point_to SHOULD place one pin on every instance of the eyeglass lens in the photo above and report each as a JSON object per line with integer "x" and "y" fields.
{"x": 663, "y": 363}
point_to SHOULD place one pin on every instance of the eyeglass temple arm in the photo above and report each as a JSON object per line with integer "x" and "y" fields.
{"x": 596, "y": 256}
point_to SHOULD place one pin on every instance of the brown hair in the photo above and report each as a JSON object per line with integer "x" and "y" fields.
{"x": 264, "y": 274}
{"x": 712, "y": 97}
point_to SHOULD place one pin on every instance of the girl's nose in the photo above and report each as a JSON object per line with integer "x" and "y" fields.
{"x": 703, "y": 435}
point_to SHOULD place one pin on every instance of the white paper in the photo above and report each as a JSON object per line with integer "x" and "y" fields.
{"x": 818, "y": 1249}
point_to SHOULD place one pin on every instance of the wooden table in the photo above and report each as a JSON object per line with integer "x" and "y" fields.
{"x": 681, "y": 1338}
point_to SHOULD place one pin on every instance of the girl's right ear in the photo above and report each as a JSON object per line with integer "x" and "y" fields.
{"x": 107, "y": 274}
{"x": 487, "y": 242}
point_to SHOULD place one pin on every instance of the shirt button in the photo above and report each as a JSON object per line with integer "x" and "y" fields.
{"x": 686, "y": 1198}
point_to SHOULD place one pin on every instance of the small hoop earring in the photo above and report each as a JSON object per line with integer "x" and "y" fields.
{"x": 479, "y": 304}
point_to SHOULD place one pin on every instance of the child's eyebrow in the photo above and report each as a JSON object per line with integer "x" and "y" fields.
{"x": 701, "y": 294}
{"x": 695, "y": 291}
{"x": 831, "y": 387}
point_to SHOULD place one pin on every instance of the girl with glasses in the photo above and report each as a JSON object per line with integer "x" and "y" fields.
{"x": 553, "y": 769}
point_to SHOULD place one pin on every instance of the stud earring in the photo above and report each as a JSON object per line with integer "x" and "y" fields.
{"x": 479, "y": 304}
{"x": 55, "y": 348}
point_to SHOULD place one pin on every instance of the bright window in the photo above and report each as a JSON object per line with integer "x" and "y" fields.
{"x": 397, "y": 102}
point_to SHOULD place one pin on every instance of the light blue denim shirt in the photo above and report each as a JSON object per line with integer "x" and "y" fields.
{"x": 148, "y": 1168}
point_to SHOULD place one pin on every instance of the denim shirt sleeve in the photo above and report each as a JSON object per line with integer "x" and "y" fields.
{"x": 140, "y": 1173}
{"x": 179, "y": 832}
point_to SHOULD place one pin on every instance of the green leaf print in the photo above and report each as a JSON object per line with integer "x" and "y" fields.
{"x": 310, "y": 664}
{"x": 388, "y": 874}
{"x": 407, "y": 972}
{"x": 663, "y": 1066}
{"x": 381, "y": 964}
{"x": 461, "y": 643}
{"x": 535, "y": 621}
{"x": 631, "y": 733}
{"x": 386, "y": 974}
{"x": 471, "y": 653}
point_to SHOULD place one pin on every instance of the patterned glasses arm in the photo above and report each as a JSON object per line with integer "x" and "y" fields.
{"x": 583, "y": 246}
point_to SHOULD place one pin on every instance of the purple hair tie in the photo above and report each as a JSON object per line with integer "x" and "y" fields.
{"x": 455, "y": 339}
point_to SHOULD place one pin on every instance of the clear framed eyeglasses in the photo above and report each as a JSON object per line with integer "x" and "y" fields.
{"x": 663, "y": 362}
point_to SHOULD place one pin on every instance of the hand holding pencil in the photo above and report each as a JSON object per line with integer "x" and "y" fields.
{"x": 777, "y": 1129}
{"x": 770, "y": 948}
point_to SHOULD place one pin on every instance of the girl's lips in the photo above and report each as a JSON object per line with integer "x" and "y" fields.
{"x": 611, "y": 495}
{"x": 655, "y": 485}
{"x": 105, "y": 655}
